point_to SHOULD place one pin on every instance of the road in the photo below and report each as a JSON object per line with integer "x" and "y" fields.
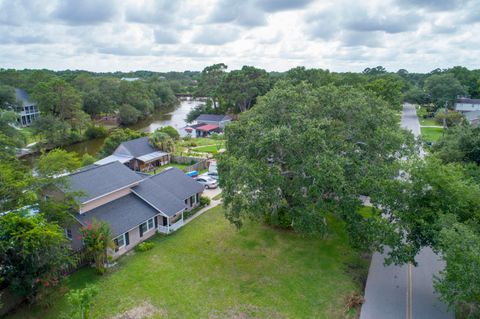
{"x": 404, "y": 291}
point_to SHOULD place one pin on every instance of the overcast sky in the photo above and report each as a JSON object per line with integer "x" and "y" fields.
{"x": 110, "y": 35}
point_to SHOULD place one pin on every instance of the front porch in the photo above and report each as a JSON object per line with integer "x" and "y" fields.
{"x": 170, "y": 224}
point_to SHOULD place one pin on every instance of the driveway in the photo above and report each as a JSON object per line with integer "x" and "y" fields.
{"x": 404, "y": 291}
{"x": 211, "y": 193}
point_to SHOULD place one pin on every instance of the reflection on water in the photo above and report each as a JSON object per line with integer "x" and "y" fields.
{"x": 174, "y": 117}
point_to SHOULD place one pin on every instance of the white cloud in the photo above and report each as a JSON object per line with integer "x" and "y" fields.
{"x": 168, "y": 35}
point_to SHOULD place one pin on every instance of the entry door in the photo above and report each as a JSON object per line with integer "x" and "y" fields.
{"x": 164, "y": 221}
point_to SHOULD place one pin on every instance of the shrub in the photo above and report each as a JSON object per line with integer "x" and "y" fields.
{"x": 145, "y": 246}
{"x": 97, "y": 238}
{"x": 81, "y": 302}
{"x": 171, "y": 131}
{"x": 96, "y": 131}
{"x": 204, "y": 201}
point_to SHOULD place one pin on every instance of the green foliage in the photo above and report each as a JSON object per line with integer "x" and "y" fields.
{"x": 32, "y": 253}
{"x": 210, "y": 82}
{"x": 7, "y": 96}
{"x": 8, "y": 120}
{"x": 443, "y": 89}
{"x": 388, "y": 88}
{"x": 116, "y": 138}
{"x": 81, "y": 302}
{"x": 460, "y": 144}
{"x": 171, "y": 131}
{"x": 416, "y": 95}
{"x": 128, "y": 114}
{"x": 52, "y": 130}
{"x": 451, "y": 118}
{"x": 96, "y": 131}
{"x": 459, "y": 283}
{"x": 97, "y": 238}
{"x": 304, "y": 152}
{"x": 87, "y": 159}
{"x": 162, "y": 141}
{"x": 57, "y": 162}
{"x": 204, "y": 201}
{"x": 145, "y": 246}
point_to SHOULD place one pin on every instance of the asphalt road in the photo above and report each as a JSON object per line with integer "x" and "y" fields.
{"x": 404, "y": 291}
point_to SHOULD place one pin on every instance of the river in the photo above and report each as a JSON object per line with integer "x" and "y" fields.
{"x": 174, "y": 117}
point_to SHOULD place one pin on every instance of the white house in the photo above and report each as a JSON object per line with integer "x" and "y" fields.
{"x": 467, "y": 105}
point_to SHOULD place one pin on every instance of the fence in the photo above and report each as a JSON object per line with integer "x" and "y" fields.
{"x": 81, "y": 260}
{"x": 200, "y": 163}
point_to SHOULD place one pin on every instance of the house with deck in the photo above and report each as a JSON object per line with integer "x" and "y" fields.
{"x": 134, "y": 205}
{"x": 138, "y": 155}
{"x": 27, "y": 111}
{"x": 207, "y": 124}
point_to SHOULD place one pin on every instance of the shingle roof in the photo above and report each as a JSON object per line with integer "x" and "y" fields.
{"x": 177, "y": 183}
{"x": 159, "y": 197}
{"x": 207, "y": 128}
{"x": 121, "y": 214}
{"x": 467, "y": 100}
{"x": 96, "y": 181}
{"x": 213, "y": 118}
{"x": 22, "y": 96}
{"x": 136, "y": 147}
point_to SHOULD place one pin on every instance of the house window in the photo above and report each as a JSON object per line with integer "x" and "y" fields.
{"x": 121, "y": 241}
{"x": 196, "y": 198}
{"x": 186, "y": 201}
{"x": 150, "y": 223}
{"x": 146, "y": 226}
{"x": 192, "y": 200}
{"x": 68, "y": 233}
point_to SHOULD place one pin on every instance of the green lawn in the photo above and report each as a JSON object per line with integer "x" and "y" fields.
{"x": 210, "y": 270}
{"x": 428, "y": 122}
{"x": 431, "y": 134}
{"x": 209, "y": 148}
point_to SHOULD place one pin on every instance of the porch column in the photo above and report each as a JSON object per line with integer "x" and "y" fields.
{"x": 182, "y": 215}
{"x": 168, "y": 225}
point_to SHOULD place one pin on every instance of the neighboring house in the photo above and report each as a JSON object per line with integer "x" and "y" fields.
{"x": 137, "y": 154}
{"x": 467, "y": 105}
{"x": 473, "y": 117}
{"x": 206, "y": 124}
{"x": 214, "y": 119}
{"x": 27, "y": 110}
{"x": 134, "y": 205}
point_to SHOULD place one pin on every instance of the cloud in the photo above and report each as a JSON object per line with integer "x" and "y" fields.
{"x": 435, "y": 5}
{"x": 216, "y": 35}
{"x": 24, "y": 39}
{"x": 16, "y": 13}
{"x": 281, "y": 5}
{"x": 86, "y": 12}
{"x": 160, "y": 12}
{"x": 388, "y": 22}
{"x": 367, "y": 39}
{"x": 243, "y": 13}
{"x": 322, "y": 25}
{"x": 166, "y": 37}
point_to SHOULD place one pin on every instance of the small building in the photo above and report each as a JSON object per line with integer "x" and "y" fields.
{"x": 467, "y": 105}
{"x": 201, "y": 130}
{"x": 473, "y": 118}
{"x": 27, "y": 110}
{"x": 138, "y": 155}
{"x": 214, "y": 119}
{"x": 134, "y": 205}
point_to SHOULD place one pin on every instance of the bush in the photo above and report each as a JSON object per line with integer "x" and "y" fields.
{"x": 171, "y": 131}
{"x": 96, "y": 131}
{"x": 205, "y": 201}
{"x": 145, "y": 246}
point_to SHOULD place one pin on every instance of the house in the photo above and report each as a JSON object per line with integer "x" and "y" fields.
{"x": 201, "y": 130}
{"x": 467, "y": 105}
{"x": 473, "y": 118}
{"x": 27, "y": 110}
{"x": 214, "y": 119}
{"x": 134, "y": 205}
{"x": 138, "y": 155}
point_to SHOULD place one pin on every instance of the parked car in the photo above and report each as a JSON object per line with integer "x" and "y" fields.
{"x": 213, "y": 175}
{"x": 207, "y": 182}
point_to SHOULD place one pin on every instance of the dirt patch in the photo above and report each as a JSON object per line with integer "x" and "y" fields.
{"x": 144, "y": 311}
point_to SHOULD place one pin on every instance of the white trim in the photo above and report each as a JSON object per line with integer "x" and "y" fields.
{"x": 124, "y": 241}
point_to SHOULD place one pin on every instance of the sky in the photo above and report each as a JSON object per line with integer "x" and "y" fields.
{"x": 178, "y": 35}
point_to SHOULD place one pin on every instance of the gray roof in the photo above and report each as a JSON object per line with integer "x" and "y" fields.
{"x": 135, "y": 148}
{"x": 159, "y": 197}
{"x": 121, "y": 214}
{"x": 213, "y": 118}
{"x": 22, "y": 96}
{"x": 177, "y": 183}
{"x": 468, "y": 100}
{"x": 95, "y": 181}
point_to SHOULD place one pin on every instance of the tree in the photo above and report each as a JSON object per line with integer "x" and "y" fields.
{"x": 211, "y": 81}
{"x": 375, "y": 71}
{"x": 459, "y": 283}
{"x": 241, "y": 88}
{"x": 171, "y": 131}
{"x": 128, "y": 114}
{"x": 162, "y": 141}
{"x": 116, "y": 138}
{"x": 8, "y": 120}
{"x": 58, "y": 98}
{"x": 450, "y": 118}
{"x": 7, "y": 96}
{"x": 81, "y": 302}
{"x": 33, "y": 253}
{"x": 304, "y": 153}
{"x": 57, "y": 162}
{"x": 87, "y": 159}
{"x": 17, "y": 187}
{"x": 443, "y": 89}
{"x": 459, "y": 144}
{"x": 97, "y": 238}
{"x": 388, "y": 88}
{"x": 53, "y": 130}
{"x": 416, "y": 95}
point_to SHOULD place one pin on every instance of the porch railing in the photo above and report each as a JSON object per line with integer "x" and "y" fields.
{"x": 173, "y": 227}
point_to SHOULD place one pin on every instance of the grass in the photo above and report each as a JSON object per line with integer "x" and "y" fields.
{"x": 209, "y": 148}
{"x": 428, "y": 122}
{"x": 218, "y": 196}
{"x": 431, "y": 134}
{"x": 208, "y": 269}
{"x": 164, "y": 167}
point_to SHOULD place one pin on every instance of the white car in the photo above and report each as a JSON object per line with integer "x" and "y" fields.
{"x": 207, "y": 182}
